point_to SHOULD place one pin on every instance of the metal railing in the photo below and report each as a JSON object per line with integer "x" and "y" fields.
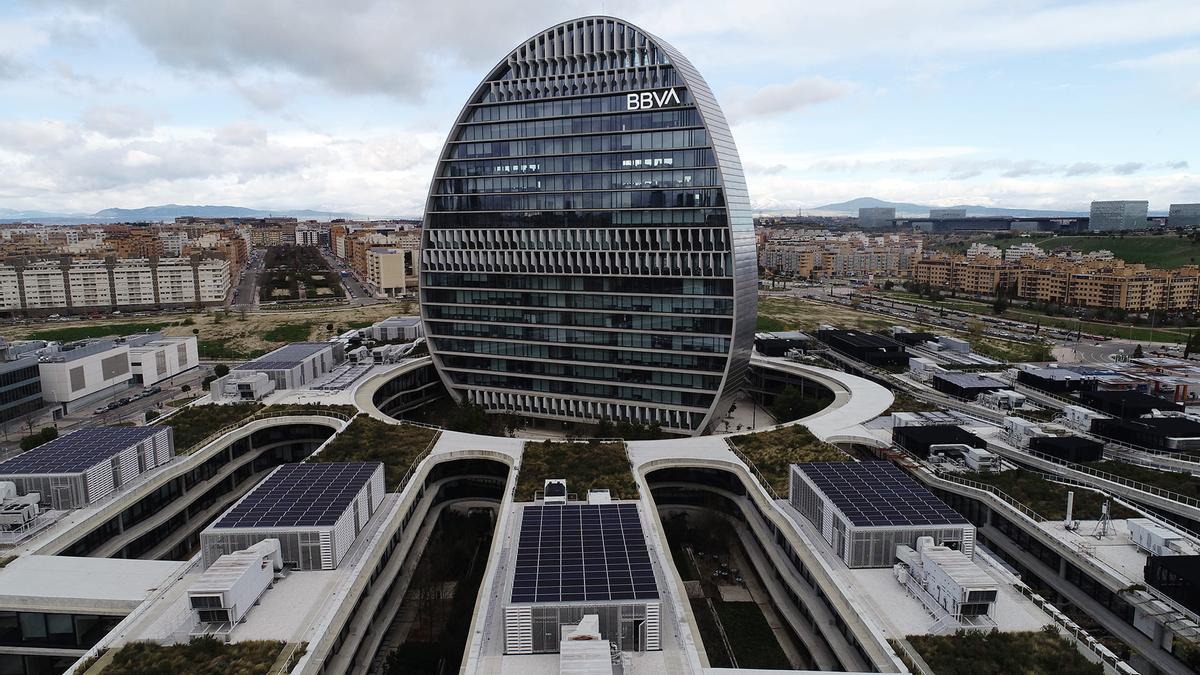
{"x": 294, "y": 412}
{"x": 992, "y": 489}
{"x": 1120, "y": 480}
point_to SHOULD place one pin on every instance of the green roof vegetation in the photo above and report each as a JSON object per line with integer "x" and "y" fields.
{"x": 1047, "y": 498}
{"x": 996, "y": 653}
{"x": 908, "y": 403}
{"x": 772, "y": 452}
{"x": 72, "y": 333}
{"x": 196, "y": 423}
{"x": 585, "y": 466}
{"x": 367, "y": 439}
{"x": 1175, "y": 481}
{"x": 201, "y": 656}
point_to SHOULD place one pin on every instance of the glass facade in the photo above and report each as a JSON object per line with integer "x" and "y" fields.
{"x": 588, "y": 248}
{"x": 20, "y": 388}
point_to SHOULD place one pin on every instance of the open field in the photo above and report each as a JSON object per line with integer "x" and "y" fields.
{"x": 1167, "y": 251}
{"x": 297, "y": 273}
{"x": 788, "y": 313}
{"x": 1125, "y": 331}
{"x": 224, "y": 336}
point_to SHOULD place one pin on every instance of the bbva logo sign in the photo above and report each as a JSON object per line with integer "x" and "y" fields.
{"x": 652, "y": 99}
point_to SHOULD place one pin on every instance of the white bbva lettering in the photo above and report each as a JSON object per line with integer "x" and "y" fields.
{"x": 651, "y": 99}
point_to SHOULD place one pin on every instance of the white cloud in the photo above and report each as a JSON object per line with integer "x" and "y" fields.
{"x": 780, "y": 99}
{"x": 1179, "y": 58}
{"x": 118, "y": 121}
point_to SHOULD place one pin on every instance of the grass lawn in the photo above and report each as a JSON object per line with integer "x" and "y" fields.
{"x": 71, "y": 333}
{"x": 753, "y": 641}
{"x": 996, "y": 653}
{"x": 289, "y": 332}
{"x": 585, "y": 466}
{"x": 212, "y": 349}
{"x": 370, "y": 440}
{"x": 1168, "y": 250}
{"x": 772, "y": 452}
{"x": 710, "y": 637}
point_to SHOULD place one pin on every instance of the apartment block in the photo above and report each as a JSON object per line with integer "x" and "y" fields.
{"x": 392, "y": 271}
{"x": 49, "y": 285}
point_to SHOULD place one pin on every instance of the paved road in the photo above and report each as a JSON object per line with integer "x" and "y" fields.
{"x": 131, "y": 412}
{"x": 356, "y": 291}
{"x": 247, "y": 286}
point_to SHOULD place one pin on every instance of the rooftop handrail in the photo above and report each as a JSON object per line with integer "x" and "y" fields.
{"x": 261, "y": 415}
{"x": 997, "y": 492}
{"x": 1120, "y": 480}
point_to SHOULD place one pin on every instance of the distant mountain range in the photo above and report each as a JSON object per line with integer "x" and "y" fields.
{"x": 851, "y": 208}
{"x": 163, "y": 213}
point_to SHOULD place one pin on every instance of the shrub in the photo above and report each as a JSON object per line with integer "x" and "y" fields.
{"x": 220, "y": 370}
{"x": 995, "y": 653}
{"x": 201, "y": 656}
{"x": 152, "y": 415}
{"x": 35, "y": 439}
{"x": 367, "y": 439}
{"x": 585, "y": 466}
{"x": 772, "y": 452}
{"x": 193, "y": 424}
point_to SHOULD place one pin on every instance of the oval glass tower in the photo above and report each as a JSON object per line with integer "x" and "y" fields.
{"x": 588, "y": 251}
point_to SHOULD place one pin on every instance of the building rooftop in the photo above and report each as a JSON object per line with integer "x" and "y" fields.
{"x": 582, "y": 552}
{"x": 286, "y": 357}
{"x": 970, "y": 380}
{"x": 300, "y": 495}
{"x": 77, "y": 451}
{"x": 878, "y": 494}
{"x": 862, "y": 339}
{"x": 399, "y": 321}
{"x": 102, "y": 585}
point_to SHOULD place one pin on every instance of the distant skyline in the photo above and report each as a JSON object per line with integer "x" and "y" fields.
{"x": 344, "y": 105}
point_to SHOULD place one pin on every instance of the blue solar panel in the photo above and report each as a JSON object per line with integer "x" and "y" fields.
{"x": 582, "y": 553}
{"x": 301, "y": 495}
{"x": 878, "y": 494}
{"x": 78, "y": 451}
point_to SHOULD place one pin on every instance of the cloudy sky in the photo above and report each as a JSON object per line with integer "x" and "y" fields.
{"x": 343, "y": 105}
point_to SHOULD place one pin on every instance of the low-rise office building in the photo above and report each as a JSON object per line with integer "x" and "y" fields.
{"x": 1118, "y": 215}
{"x": 289, "y": 367}
{"x": 154, "y": 358}
{"x": 75, "y": 376}
{"x": 20, "y": 383}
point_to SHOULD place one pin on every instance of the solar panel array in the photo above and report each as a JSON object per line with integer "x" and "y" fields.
{"x": 582, "y": 552}
{"x": 300, "y": 495}
{"x": 78, "y": 451}
{"x": 878, "y": 494}
{"x": 288, "y": 356}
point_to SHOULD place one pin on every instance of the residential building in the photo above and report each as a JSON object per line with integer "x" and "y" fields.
{"x": 308, "y": 235}
{"x": 392, "y": 271}
{"x": 1118, "y": 215}
{"x": 604, "y": 273}
{"x": 1184, "y": 215}
{"x": 49, "y": 285}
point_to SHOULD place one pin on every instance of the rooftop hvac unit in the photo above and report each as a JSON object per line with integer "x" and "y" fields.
{"x": 17, "y": 511}
{"x": 231, "y": 585}
{"x": 555, "y": 491}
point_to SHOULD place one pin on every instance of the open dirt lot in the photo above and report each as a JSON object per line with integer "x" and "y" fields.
{"x": 229, "y": 336}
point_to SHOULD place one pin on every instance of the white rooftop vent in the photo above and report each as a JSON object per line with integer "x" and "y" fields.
{"x": 227, "y": 590}
{"x": 555, "y": 491}
{"x": 599, "y": 497}
{"x": 17, "y": 511}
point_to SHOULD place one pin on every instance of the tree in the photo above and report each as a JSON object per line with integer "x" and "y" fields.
{"x": 1137, "y": 352}
{"x": 888, "y": 285}
{"x": 195, "y": 331}
{"x": 220, "y": 370}
{"x": 46, "y": 435}
{"x": 1000, "y": 305}
{"x": 151, "y": 415}
{"x": 788, "y": 404}
{"x": 185, "y": 388}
